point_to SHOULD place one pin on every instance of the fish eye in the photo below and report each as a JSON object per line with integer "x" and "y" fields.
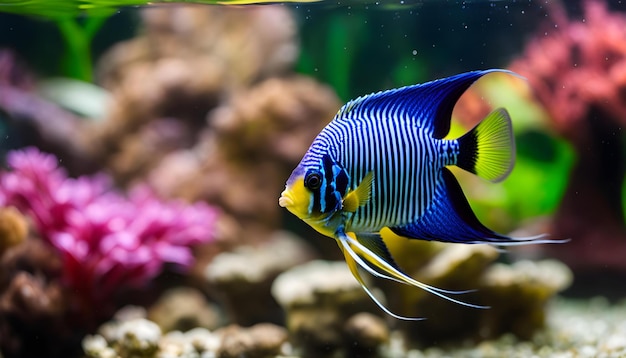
{"x": 313, "y": 180}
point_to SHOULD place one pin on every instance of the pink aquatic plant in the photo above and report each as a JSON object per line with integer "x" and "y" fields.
{"x": 107, "y": 241}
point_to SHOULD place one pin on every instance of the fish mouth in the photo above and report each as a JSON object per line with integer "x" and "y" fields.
{"x": 285, "y": 199}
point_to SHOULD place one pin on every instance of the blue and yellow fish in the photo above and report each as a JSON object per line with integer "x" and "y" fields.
{"x": 381, "y": 163}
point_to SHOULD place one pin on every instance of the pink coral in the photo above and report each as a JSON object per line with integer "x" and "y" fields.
{"x": 579, "y": 65}
{"x": 106, "y": 241}
{"x": 578, "y": 73}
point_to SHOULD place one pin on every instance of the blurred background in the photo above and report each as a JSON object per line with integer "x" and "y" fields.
{"x": 144, "y": 146}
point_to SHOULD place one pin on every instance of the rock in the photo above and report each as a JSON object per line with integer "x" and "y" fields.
{"x": 576, "y": 328}
{"x": 184, "y": 308}
{"x": 518, "y": 294}
{"x": 130, "y": 312}
{"x": 365, "y": 333}
{"x": 175, "y": 344}
{"x": 458, "y": 263}
{"x": 34, "y": 305}
{"x": 97, "y": 347}
{"x": 259, "y": 341}
{"x": 203, "y": 340}
{"x": 552, "y": 275}
{"x": 452, "y": 267}
{"x": 244, "y": 277}
{"x": 313, "y": 282}
{"x": 138, "y": 338}
{"x": 319, "y": 297}
{"x": 515, "y": 294}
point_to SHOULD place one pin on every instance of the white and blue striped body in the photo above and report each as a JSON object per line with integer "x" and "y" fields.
{"x": 404, "y": 159}
{"x": 397, "y": 136}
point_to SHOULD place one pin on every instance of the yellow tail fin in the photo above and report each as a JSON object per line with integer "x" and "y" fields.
{"x": 488, "y": 150}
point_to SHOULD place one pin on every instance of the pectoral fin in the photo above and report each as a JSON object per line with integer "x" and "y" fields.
{"x": 359, "y": 196}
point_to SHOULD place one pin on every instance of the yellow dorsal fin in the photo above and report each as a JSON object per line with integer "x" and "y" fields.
{"x": 359, "y": 196}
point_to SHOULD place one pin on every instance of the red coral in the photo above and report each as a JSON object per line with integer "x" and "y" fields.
{"x": 107, "y": 241}
{"x": 578, "y": 72}
{"x": 578, "y": 66}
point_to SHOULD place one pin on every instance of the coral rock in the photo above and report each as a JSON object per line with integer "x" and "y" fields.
{"x": 194, "y": 57}
{"x": 458, "y": 263}
{"x": 129, "y": 335}
{"x": 365, "y": 334}
{"x": 319, "y": 297}
{"x": 263, "y": 130}
{"x": 203, "y": 340}
{"x": 138, "y": 337}
{"x": 96, "y": 346}
{"x": 518, "y": 294}
{"x": 253, "y": 124}
{"x": 143, "y": 151}
{"x": 224, "y": 76}
{"x": 181, "y": 309}
{"x": 449, "y": 266}
{"x": 34, "y": 306}
{"x": 249, "y": 272}
{"x": 31, "y": 299}
{"x": 314, "y": 281}
{"x": 259, "y": 341}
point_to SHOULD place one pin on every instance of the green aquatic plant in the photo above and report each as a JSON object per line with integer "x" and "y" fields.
{"x": 535, "y": 187}
{"x": 337, "y": 36}
{"x": 77, "y": 30}
{"x": 340, "y": 50}
{"x": 75, "y": 8}
{"x": 78, "y": 37}
{"x": 78, "y": 22}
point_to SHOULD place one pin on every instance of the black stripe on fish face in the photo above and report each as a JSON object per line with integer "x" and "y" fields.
{"x": 314, "y": 180}
{"x": 329, "y": 198}
{"x": 321, "y": 184}
{"x": 335, "y": 185}
{"x": 341, "y": 182}
{"x": 317, "y": 202}
{"x": 337, "y": 190}
{"x": 327, "y": 164}
{"x": 328, "y": 184}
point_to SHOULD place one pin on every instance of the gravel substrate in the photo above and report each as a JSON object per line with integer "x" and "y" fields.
{"x": 576, "y": 329}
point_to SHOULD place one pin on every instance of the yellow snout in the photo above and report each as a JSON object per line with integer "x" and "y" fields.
{"x": 296, "y": 198}
{"x": 285, "y": 199}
